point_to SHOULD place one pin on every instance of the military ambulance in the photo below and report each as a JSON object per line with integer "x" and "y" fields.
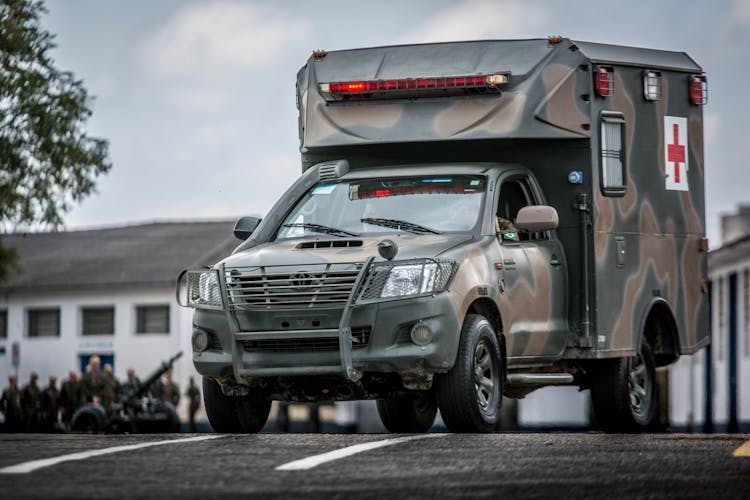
{"x": 473, "y": 220}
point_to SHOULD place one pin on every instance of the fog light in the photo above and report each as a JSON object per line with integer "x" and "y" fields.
{"x": 421, "y": 334}
{"x": 200, "y": 340}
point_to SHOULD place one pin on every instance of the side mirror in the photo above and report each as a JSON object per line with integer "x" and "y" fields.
{"x": 245, "y": 227}
{"x": 537, "y": 218}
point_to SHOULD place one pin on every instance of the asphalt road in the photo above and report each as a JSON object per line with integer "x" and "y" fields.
{"x": 435, "y": 466}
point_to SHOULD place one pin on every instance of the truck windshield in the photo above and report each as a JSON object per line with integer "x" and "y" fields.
{"x": 419, "y": 205}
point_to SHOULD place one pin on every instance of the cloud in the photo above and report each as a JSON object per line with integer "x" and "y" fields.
{"x": 479, "y": 19}
{"x": 711, "y": 128}
{"x": 205, "y": 50}
{"x": 201, "y": 40}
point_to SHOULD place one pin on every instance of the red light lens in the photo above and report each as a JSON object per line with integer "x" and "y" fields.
{"x": 698, "y": 91}
{"x": 603, "y": 82}
{"x": 489, "y": 82}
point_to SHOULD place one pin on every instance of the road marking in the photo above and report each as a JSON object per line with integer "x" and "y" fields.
{"x": 742, "y": 451}
{"x": 27, "y": 467}
{"x": 315, "y": 460}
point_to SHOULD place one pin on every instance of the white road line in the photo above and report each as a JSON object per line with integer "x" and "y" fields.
{"x": 315, "y": 460}
{"x": 27, "y": 467}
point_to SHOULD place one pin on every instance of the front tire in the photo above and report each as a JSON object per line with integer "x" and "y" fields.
{"x": 623, "y": 392}
{"x": 409, "y": 414}
{"x": 470, "y": 394}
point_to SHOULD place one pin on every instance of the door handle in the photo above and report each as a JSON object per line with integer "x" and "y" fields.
{"x": 554, "y": 261}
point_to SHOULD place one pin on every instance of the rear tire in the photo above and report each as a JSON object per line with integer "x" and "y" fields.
{"x": 409, "y": 414}
{"x": 234, "y": 414}
{"x": 623, "y": 392}
{"x": 470, "y": 394}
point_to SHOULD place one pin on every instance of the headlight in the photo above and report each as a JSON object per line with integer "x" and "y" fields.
{"x": 388, "y": 280}
{"x": 410, "y": 280}
{"x": 203, "y": 290}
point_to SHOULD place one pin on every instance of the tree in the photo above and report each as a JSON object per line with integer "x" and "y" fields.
{"x": 47, "y": 160}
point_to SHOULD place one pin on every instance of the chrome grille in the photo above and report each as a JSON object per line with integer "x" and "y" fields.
{"x": 292, "y": 287}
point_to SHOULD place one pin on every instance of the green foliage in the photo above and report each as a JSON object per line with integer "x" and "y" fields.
{"x": 47, "y": 160}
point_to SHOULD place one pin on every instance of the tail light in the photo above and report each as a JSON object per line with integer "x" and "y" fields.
{"x": 698, "y": 90}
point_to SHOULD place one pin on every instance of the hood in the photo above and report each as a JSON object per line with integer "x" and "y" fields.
{"x": 332, "y": 250}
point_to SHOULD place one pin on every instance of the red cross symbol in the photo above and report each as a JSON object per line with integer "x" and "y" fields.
{"x": 676, "y": 153}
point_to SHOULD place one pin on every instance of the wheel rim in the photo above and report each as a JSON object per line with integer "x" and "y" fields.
{"x": 639, "y": 385}
{"x": 484, "y": 376}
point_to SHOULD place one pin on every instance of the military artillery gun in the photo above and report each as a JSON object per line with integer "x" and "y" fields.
{"x": 135, "y": 411}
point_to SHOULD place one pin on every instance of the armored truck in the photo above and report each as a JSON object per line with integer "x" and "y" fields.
{"x": 473, "y": 219}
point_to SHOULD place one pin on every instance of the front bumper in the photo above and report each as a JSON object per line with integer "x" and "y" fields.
{"x": 382, "y": 329}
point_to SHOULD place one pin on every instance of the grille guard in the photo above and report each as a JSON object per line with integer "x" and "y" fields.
{"x": 344, "y": 334}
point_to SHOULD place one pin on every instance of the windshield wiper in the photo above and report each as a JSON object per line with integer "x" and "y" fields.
{"x": 399, "y": 224}
{"x": 318, "y": 228}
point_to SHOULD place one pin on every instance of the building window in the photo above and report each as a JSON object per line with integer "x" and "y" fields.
{"x": 152, "y": 319}
{"x": 98, "y": 321}
{"x": 44, "y": 322}
{"x": 3, "y": 324}
{"x": 612, "y": 140}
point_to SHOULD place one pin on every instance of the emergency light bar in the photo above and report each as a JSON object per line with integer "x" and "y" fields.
{"x": 414, "y": 86}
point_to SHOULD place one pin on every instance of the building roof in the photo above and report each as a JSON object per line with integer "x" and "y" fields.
{"x": 734, "y": 253}
{"x": 137, "y": 255}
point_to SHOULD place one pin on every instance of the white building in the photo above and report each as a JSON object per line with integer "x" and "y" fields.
{"x": 109, "y": 292}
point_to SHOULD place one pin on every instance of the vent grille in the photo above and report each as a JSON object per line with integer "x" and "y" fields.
{"x": 320, "y": 286}
{"x": 327, "y": 172}
{"x": 360, "y": 338}
{"x": 330, "y": 244}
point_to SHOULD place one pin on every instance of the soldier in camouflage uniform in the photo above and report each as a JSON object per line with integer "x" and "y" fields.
{"x": 31, "y": 404}
{"x": 194, "y": 395}
{"x": 132, "y": 384}
{"x": 94, "y": 384}
{"x": 113, "y": 387}
{"x": 70, "y": 397}
{"x": 50, "y": 405}
{"x": 10, "y": 404}
{"x": 171, "y": 391}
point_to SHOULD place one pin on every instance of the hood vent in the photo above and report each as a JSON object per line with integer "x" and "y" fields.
{"x": 330, "y": 244}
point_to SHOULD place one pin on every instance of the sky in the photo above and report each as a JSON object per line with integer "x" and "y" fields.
{"x": 197, "y": 98}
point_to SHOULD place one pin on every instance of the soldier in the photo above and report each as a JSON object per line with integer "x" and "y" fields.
{"x": 132, "y": 384}
{"x": 70, "y": 398}
{"x": 31, "y": 404}
{"x": 50, "y": 401}
{"x": 113, "y": 387}
{"x": 10, "y": 404}
{"x": 171, "y": 389}
{"x": 94, "y": 385}
{"x": 194, "y": 395}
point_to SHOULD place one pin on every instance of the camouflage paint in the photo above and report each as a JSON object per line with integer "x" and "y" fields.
{"x": 544, "y": 124}
{"x": 550, "y": 96}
